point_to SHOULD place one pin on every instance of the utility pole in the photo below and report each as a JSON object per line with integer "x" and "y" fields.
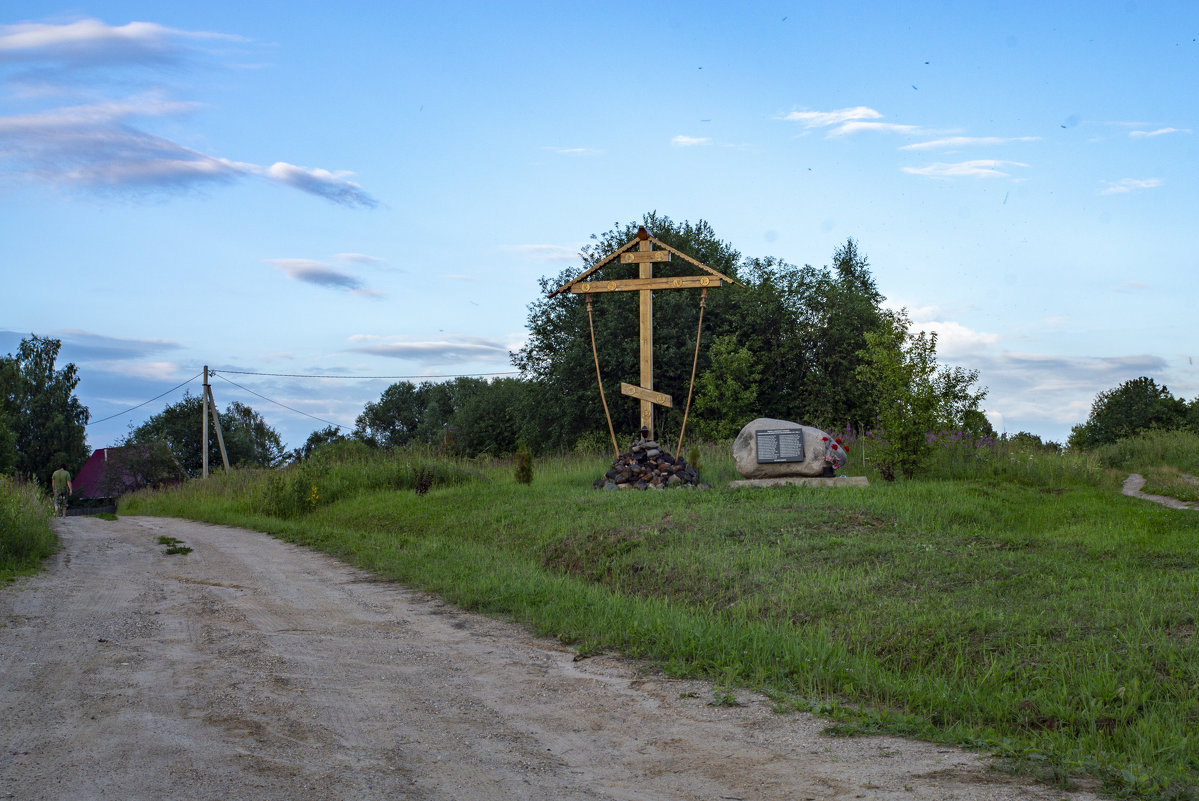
{"x": 204, "y": 429}
{"x": 216, "y": 418}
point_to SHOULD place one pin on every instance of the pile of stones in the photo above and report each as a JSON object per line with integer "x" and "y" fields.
{"x": 648, "y": 466}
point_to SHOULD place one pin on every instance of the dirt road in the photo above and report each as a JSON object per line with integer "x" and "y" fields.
{"x": 254, "y": 669}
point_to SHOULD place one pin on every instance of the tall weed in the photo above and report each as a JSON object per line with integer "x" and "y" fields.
{"x": 1177, "y": 449}
{"x": 25, "y": 534}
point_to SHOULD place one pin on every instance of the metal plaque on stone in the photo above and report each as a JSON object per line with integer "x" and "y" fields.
{"x": 779, "y": 445}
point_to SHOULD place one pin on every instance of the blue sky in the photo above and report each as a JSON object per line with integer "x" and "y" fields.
{"x": 374, "y": 189}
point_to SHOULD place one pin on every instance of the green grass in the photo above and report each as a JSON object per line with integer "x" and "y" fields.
{"x": 25, "y": 534}
{"x": 1014, "y": 602}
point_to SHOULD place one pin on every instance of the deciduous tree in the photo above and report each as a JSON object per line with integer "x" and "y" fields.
{"x": 47, "y": 422}
{"x": 1124, "y": 411}
{"x": 914, "y": 396}
{"x": 249, "y": 440}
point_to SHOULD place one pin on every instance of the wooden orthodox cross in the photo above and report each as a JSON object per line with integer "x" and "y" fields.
{"x": 641, "y": 251}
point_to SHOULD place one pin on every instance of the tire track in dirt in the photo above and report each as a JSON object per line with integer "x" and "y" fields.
{"x": 254, "y": 669}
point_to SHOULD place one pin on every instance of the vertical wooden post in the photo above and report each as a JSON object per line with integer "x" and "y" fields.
{"x": 204, "y": 429}
{"x": 647, "y": 333}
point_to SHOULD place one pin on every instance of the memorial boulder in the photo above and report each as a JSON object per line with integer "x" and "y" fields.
{"x": 769, "y": 448}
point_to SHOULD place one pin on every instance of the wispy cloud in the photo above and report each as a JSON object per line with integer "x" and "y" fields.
{"x": 322, "y": 274}
{"x": 690, "y": 141}
{"x": 333, "y": 186}
{"x": 451, "y": 349}
{"x": 849, "y": 121}
{"x": 1158, "y": 132}
{"x": 545, "y": 252}
{"x": 1129, "y": 185}
{"x": 951, "y": 142}
{"x": 824, "y": 119}
{"x": 849, "y": 128}
{"x": 154, "y": 371}
{"x": 106, "y": 145}
{"x": 86, "y": 346}
{"x": 1128, "y": 287}
{"x": 360, "y": 258}
{"x": 90, "y": 42}
{"x": 977, "y": 168}
{"x": 315, "y": 272}
{"x": 573, "y": 151}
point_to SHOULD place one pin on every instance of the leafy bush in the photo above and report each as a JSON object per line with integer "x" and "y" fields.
{"x": 524, "y": 464}
{"x": 25, "y": 534}
{"x": 1127, "y": 410}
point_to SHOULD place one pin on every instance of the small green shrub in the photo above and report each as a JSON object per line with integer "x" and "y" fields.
{"x": 524, "y": 464}
{"x": 424, "y": 480}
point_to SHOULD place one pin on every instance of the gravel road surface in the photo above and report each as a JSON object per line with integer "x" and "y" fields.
{"x": 254, "y": 669}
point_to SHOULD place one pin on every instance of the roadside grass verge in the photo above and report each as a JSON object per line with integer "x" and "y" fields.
{"x": 25, "y": 534}
{"x": 1012, "y": 604}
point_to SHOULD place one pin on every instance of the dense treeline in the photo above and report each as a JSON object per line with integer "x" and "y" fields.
{"x": 787, "y": 342}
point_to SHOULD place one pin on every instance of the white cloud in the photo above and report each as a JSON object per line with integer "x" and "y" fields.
{"x": 689, "y": 141}
{"x": 90, "y": 41}
{"x": 162, "y": 371}
{"x": 967, "y": 141}
{"x": 955, "y": 340}
{"x": 545, "y": 252}
{"x": 1132, "y": 286}
{"x": 329, "y": 185}
{"x": 823, "y": 119}
{"x": 449, "y": 350}
{"x": 849, "y": 128}
{"x": 1158, "y": 132}
{"x": 574, "y": 151}
{"x": 978, "y": 168}
{"x": 1129, "y": 184}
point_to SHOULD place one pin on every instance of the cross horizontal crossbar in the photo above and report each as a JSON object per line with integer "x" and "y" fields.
{"x": 645, "y": 256}
{"x": 638, "y": 284}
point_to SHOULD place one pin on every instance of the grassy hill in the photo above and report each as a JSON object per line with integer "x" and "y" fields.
{"x": 1012, "y": 601}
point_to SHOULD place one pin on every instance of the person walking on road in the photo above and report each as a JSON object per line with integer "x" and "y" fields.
{"x": 60, "y": 482}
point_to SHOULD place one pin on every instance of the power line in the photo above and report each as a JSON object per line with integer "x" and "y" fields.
{"x": 365, "y": 377}
{"x": 272, "y": 400}
{"x": 297, "y": 375}
{"x": 140, "y": 405}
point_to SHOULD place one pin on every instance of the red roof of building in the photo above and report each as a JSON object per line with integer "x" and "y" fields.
{"x": 90, "y": 481}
